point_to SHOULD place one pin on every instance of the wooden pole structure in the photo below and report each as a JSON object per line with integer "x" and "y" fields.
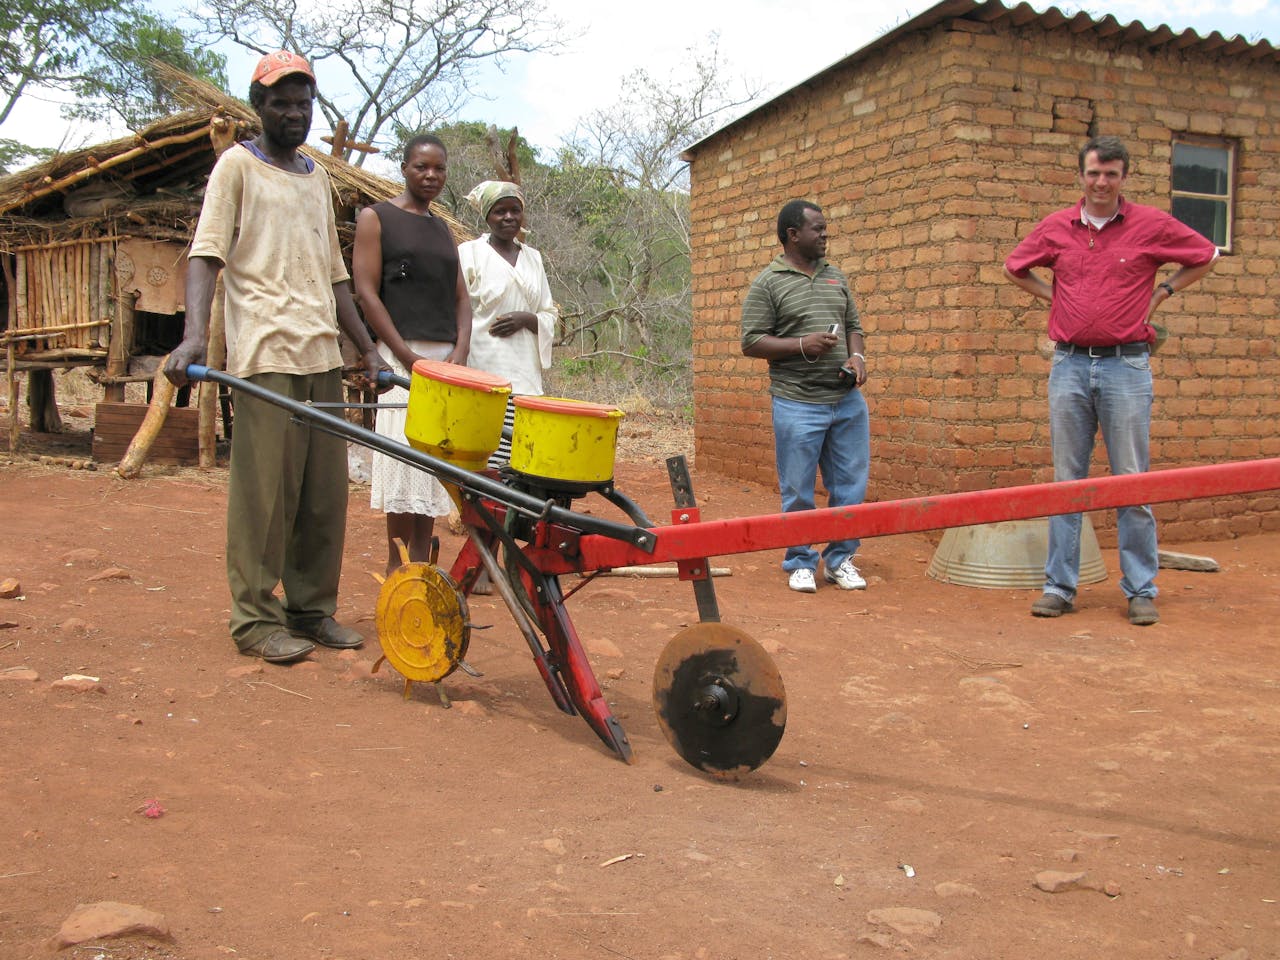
{"x": 339, "y": 139}
{"x": 121, "y": 345}
{"x": 216, "y": 357}
{"x": 49, "y": 185}
{"x": 14, "y": 420}
{"x": 11, "y": 356}
{"x": 162, "y": 392}
{"x": 222, "y": 134}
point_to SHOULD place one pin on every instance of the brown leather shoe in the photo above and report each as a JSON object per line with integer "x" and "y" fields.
{"x": 1142, "y": 612}
{"x": 327, "y": 632}
{"x": 279, "y": 646}
{"x": 1051, "y": 605}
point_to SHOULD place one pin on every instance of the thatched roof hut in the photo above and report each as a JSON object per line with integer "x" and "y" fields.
{"x": 93, "y": 242}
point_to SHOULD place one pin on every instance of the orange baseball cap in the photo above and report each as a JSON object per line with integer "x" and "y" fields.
{"x": 275, "y": 66}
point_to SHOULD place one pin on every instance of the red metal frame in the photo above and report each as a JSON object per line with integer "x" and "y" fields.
{"x": 560, "y": 543}
{"x": 775, "y": 531}
{"x": 557, "y": 549}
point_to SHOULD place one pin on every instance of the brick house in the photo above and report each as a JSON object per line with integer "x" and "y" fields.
{"x": 932, "y": 151}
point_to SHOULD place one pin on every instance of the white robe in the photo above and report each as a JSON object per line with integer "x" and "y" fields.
{"x": 496, "y": 287}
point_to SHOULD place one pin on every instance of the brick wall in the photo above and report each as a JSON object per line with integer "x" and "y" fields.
{"x": 931, "y": 157}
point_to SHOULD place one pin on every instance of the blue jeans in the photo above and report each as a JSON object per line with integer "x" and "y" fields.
{"x": 834, "y": 438}
{"x": 1113, "y": 393}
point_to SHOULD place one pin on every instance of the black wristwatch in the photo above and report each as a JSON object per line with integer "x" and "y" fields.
{"x": 1166, "y": 286}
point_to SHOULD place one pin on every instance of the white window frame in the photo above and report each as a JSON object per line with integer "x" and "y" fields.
{"x": 1228, "y": 198}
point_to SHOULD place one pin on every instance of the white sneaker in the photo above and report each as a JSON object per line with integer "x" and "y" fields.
{"x": 846, "y": 576}
{"x": 802, "y": 581}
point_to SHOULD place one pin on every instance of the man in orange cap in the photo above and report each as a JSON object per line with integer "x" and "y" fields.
{"x": 268, "y": 225}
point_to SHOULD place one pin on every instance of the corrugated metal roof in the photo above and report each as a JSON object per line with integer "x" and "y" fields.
{"x": 992, "y": 11}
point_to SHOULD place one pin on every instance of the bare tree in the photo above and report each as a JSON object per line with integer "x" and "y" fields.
{"x": 614, "y": 222}
{"x": 397, "y": 60}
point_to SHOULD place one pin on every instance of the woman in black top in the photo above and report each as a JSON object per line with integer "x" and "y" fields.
{"x": 412, "y": 294}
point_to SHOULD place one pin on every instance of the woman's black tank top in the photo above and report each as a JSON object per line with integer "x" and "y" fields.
{"x": 419, "y": 274}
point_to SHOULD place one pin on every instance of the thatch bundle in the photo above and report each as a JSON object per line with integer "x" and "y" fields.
{"x": 151, "y": 183}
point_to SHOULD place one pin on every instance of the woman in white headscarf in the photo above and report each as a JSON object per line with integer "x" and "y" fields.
{"x": 513, "y": 317}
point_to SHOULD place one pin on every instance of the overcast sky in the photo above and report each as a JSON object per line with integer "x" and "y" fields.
{"x": 546, "y": 94}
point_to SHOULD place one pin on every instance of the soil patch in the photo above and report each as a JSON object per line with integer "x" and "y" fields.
{"x": 957, "y": 779}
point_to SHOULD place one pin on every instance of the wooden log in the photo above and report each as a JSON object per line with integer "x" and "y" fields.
{"x": 54, "y": 313}
{"x": 162, "y": 392}
{"x": 49, "y": 185}
{"x": 14, "y": 432}
{"x": 18, "y": 292}
{"x": 215, "y": 357}
{"x": 11, "y": 287}
{"x": 222, "y": 132}
{"x": 43, "y": 402}
{"x": 71, "y": 287}
{"x": 35, "y": 276}
{"x": 38, "y": 364}
{"x": 1173, "y": 560}
{"x": 339, "y": 138}
{"x": 170, "y": 161}
{"x": 649, "y": 573}
{"x": 46, "y": 291}
{"x": 71, "y": 309}
{"x": 121, "y": 344}
{"x": 91, "y": 293}
{"x": 11, "y": 356}
{"x": 58, "y": 266}
{"x": 106, "y": 263}
{"x": 92, "y": 356}
{"x": 222, "y": 136}
{"x": 82, "y": 293}
{"x": 35, "y": 298}
{"x": 55, "y": 244}
{"x": 44, "y": 332}
{"x": 71, "y": 283}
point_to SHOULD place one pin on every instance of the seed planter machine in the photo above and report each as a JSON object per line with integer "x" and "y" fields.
{"x": 718, "y": 697}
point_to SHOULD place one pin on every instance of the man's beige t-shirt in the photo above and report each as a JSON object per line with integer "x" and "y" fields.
{"x": 275, "y": 233}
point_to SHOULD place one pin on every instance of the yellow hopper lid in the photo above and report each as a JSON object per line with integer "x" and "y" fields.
{"x": 574, "y": 408}
{"x": 460, "y": 376}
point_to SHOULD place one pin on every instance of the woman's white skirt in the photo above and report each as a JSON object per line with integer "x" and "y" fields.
{"x": 398, "y": 487}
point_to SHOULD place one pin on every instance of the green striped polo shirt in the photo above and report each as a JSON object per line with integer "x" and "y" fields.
{"x": 784, "y": 302}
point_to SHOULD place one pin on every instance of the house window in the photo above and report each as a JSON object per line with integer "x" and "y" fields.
{"x": 1203, "y": 187}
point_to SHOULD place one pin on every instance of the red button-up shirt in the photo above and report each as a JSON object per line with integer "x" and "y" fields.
{"x": 1103, "y": 279}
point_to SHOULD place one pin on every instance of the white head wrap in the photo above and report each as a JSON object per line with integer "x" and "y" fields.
{"x": 486, "y": 194}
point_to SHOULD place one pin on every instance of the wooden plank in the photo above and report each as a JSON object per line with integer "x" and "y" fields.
{"x": 81, "y": 293}
{"x": 49, "y": 292}
{"x": 14, "y": 430}
{"x": 115, "y": 424}
{"x": 20, "y": 288}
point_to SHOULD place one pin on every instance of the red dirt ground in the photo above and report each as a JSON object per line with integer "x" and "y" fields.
{"x": 312, "y": 812}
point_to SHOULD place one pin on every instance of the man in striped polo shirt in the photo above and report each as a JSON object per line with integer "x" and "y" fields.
{"x": 799, "y": 315}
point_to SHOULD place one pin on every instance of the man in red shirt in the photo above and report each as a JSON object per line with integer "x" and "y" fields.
{"x": 1104, "y": 253}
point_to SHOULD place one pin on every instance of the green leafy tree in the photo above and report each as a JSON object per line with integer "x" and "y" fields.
{"x": 100, "y": 51}
{"x": 45, "y": 43}
{"x": 120, "y": 80}
{"x": 14, "y": 155}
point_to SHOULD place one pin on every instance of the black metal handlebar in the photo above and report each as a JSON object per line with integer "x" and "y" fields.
{"x": 476, "y": 483}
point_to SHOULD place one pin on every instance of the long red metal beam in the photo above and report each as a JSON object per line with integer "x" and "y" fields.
{"x": 711, "y": 538}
